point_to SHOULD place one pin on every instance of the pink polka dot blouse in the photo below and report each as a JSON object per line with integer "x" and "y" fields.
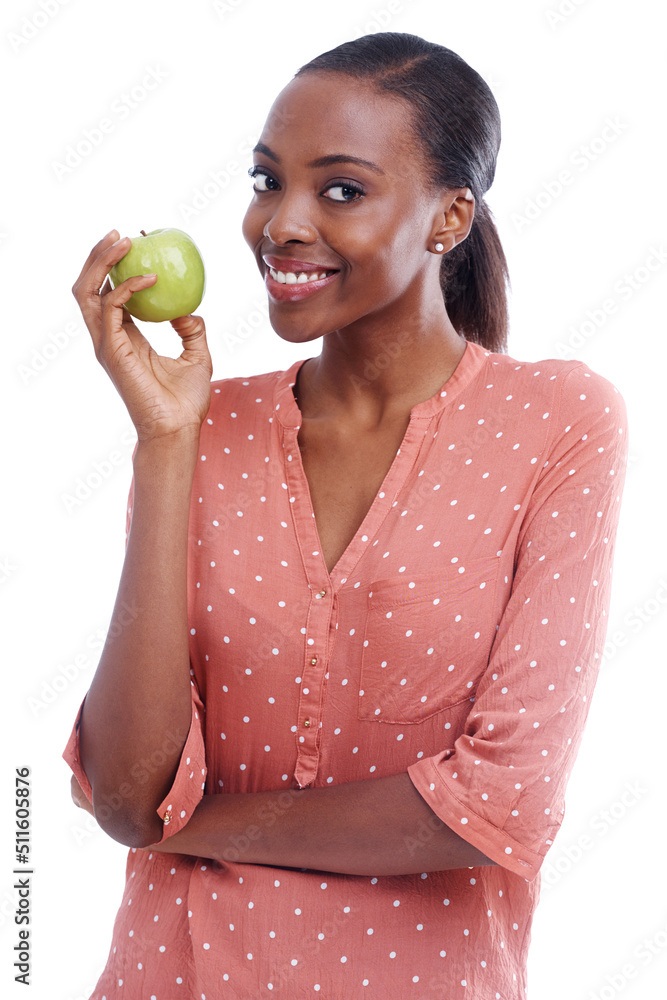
{"x": 458, "y": 638}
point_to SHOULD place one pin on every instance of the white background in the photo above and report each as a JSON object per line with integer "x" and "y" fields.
{"x": 557, "y": 78}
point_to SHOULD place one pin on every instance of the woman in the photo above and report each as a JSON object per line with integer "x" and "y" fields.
{"x": 370, "y": 590}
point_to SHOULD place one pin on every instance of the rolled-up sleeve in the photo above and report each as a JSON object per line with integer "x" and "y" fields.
{"x": 502, "y": 786}
{"x": 188, "y": 784}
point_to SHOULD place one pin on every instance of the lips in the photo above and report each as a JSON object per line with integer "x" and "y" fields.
{"x": 295, "y": 292}
{"x": 291, "y": 264}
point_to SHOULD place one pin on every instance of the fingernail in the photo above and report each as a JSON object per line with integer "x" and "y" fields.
{"x": 118, "y": 241}
{"x": 109, "y": 234}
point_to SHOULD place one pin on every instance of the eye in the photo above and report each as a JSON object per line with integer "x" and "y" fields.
{"x": 257, "y": 172}
{"x": 347, "y": 187}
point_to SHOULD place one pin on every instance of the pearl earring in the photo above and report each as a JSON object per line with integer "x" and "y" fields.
{"x": 439, "y": 247}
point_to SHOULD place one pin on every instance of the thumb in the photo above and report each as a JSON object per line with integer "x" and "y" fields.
{"x": 192, "y": 331}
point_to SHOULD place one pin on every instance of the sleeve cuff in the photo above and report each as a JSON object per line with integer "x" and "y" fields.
{"x": 440, "y": 794}
{"x": 71, "y": 756}
{"x": 187, "y": 788}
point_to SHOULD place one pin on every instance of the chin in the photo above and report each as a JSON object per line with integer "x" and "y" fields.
{"x": 293, "y": 335}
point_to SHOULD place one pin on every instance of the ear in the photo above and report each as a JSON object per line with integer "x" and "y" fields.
{"x": 457, "y": 211}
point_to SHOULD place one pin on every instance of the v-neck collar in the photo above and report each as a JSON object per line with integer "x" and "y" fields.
{"x": 288, "y": 412}
{"x": 289, "y": 416}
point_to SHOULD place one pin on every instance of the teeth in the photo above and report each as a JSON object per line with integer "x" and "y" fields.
{"x": 296, "y": 278}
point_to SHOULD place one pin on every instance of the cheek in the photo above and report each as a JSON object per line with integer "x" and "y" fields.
{"x": 392, "y": 265}
{"x": 251, "y": 227}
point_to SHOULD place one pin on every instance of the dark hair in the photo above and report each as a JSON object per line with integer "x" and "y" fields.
{"x": 457, "y": 123}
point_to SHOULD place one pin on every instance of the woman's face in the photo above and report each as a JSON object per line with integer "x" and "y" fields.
{"x": 372, "y": 222}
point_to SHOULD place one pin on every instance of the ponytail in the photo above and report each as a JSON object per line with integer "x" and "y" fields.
{"x": 473, "y": 277}
{"x": 456, "y": 123}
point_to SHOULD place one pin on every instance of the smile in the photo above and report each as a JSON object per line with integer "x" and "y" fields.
{"x": 297, "y": 277}
{"x": 291, "y": 286}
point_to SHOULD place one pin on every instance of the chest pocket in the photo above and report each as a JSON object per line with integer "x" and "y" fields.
{"x": 426, "y": 641}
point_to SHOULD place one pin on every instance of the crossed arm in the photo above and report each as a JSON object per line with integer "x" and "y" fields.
{"x": 378, "y": 827}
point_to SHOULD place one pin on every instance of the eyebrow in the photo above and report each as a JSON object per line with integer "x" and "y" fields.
{"x": 322, "y": 161}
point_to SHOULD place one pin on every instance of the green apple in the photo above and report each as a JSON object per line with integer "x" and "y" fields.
{"x": 174, "y": 257}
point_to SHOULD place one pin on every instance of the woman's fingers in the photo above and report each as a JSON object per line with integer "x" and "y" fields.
{"x": 106, "y": 241}
{"x": 122, "y": 293}
{"x": 113, "y": 315}
{"x": 161, "y": 394}
{"x": 192, "y": 331}
{"x": 86, "y": 289}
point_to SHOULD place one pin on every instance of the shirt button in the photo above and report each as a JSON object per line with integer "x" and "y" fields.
{"x": 306, "y": 722}
{"x": 313, "y": 661}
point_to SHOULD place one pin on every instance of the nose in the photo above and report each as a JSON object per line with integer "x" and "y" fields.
{"x": 290, "y": 222}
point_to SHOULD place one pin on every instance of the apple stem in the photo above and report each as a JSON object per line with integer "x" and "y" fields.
{"x": 142, "y": 232}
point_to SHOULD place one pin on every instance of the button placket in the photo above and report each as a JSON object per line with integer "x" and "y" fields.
{"x": 312, "y": 683}
{"x": 318, "y": 620}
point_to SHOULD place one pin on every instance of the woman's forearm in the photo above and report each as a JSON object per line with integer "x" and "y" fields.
{"x": 377, "y": 827}
{"x": 139, "y": 700}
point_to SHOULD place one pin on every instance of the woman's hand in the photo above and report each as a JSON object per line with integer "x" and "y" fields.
{"x": 79, "y": 797}
{"x": 163, "y": 395}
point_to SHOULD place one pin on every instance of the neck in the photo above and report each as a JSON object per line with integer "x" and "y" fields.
{"x": 369, "y": 381}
